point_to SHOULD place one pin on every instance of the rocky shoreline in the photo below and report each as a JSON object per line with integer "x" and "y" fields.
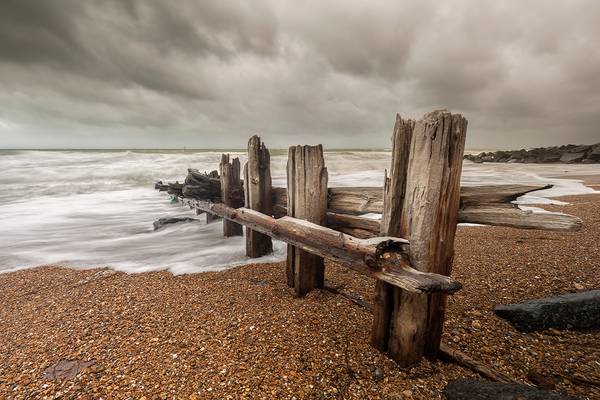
{"x": 568, "y": 154}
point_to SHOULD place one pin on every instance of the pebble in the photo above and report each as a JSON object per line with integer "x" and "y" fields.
{"x": 133, "y": 325}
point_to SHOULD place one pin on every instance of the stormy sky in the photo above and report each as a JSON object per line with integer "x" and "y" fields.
{"x": 208, "y": 74}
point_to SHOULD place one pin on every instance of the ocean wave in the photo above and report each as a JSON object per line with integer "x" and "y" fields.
{"x": 96, "y": 208}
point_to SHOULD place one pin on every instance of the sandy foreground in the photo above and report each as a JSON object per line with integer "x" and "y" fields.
{"x": 241, "y": 334}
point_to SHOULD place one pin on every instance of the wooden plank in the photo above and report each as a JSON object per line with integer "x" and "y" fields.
{"x": 382, "y": 258}
{"x": 231, "y": 192}
{"x": 430, "y": 215}
{"x": 257, "y": 176}
{"x": 394, "y": 190}
{"x": 492, "y": 194}
{"x": 479, "y": 205}
{"x": 364, "y": 227}
{"x": 307, "y": 200}
{"x": 358, "y": 200}
{"x": 514, "y": 217}
{"x": 355, "y": 200}
{"x": 491, "y": 214}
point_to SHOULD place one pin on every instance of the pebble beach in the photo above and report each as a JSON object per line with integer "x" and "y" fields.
{"x": 240, "y": 333}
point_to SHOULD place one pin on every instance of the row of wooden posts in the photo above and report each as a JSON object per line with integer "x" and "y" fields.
{"x": 409, "y": 252}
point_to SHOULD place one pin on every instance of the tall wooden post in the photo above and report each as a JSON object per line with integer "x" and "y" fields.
{"x": 257, "y": 189}
{"x": 231, "y": 192}
{"x": 306, "y": 199}
{"x": 428, "y": 219}
{"x": 394, "y": 189}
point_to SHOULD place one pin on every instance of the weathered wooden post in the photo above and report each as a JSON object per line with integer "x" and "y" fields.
{"x": 394, "y": 190}
{"x": 306, "y": 199}
{"x": 257, "y": 190}
{"x": 427, "y": 217}
{"x": 231, "y": 192}
{"x": 209, "y": 216}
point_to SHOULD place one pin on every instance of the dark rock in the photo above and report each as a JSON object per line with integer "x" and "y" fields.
{"x": 467, "y": 389}
{"x": 569, "y": 311}
{"x": 66, "y": 369}
{"x": 172, "y": 220}
{"x": 570, "y": 158}
{"x": 378, "y": 374}
{"x": 594, "y": 154}
{"x": 567, "y": 154}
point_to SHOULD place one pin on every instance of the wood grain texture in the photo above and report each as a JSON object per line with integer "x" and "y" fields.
{"x": 231, "y": 192}
{"x": 430, "y": 216}
{"x": 394, "y": 190}
{"x": 383, "y": 258}
{"x": 306, "y": 199}
{"x": 495, "y": 214}
{"x": 258, "y": 194}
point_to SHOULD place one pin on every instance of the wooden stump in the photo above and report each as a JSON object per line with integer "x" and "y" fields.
{"x": 428, "y": 218}
{"x": 306, "y": 199}
{"x": 231, "y": 192}
{"x": 257, "y": 190}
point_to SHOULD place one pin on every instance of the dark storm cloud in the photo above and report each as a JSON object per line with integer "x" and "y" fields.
{"x": 120, "y": 73}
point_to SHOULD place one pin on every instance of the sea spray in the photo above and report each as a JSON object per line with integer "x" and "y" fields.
{"x": 96, "y": 208}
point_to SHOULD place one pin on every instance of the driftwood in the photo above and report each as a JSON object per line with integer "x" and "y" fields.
{"x": 202, "y": 185}
{"x": 354, "y": 225}
{"x": 381, "y": 258}
{"x": 307, "y": 200}
{"x": 517, "y": 218}
{"x": 500, "y": 215}
{"x": 257, "y": 192}
{"x": 451, "y": 354}
{"x": 175, "y": 188}
{"x": 352, "y": 297}
{"x": 478, "y": 195}
{"x": 487, "y": 205}
{"x": 369, "y": 199}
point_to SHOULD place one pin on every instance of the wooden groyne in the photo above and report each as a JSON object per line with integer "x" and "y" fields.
{"x": 408, "y": 252}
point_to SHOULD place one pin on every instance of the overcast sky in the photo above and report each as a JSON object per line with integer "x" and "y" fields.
{"x": 208, "y": 74}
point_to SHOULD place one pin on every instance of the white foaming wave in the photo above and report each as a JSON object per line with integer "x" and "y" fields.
{"x": 88, "y": 209}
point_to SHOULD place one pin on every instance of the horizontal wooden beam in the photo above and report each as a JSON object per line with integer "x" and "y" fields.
{"x": 487, "y": 205}
{"x": 383, "y": 258}
{"x": 369, "y": 199}
{"x": 517, "y": 218}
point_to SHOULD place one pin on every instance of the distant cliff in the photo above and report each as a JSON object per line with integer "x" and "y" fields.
{"x": 569, "y": 154}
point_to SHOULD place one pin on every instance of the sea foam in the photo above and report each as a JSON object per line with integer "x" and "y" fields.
{"x": 95, "y": 208}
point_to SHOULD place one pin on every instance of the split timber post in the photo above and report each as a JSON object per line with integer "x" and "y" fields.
{"x": 422, "y": 197}
{"x": 258, "y": 195}
{"x": 209, "y": 216}
{"x": 306, "y": 199}
{"x": 231, "y": 192}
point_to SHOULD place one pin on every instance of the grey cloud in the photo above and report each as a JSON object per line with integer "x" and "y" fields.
{"x": 132, "y": 73}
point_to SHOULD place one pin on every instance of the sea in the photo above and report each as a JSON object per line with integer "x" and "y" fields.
{"x": 96, "y": 208}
